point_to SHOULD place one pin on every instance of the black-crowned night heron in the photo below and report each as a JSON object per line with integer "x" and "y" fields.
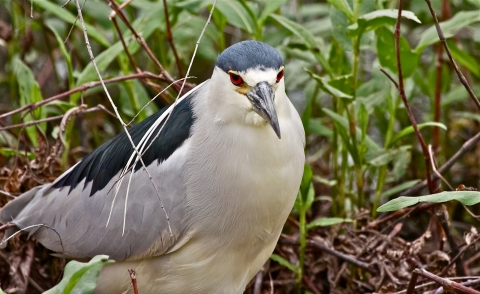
{"x": 227, "y": 165}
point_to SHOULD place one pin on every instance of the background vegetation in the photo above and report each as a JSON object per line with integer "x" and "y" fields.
{"x": 361, "y": 147}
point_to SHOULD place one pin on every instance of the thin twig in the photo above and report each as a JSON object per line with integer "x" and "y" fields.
{"x": 89, "y": 49}
{"x": 58, "y": 117}
{"x": 432, "y": 162}
{"x": 458, "y": 255}
{"x": 133, "y": 277}
{"x": 447, "y": 165}
{"x": 401, "y": 90}
{"x": 142, "y": 43}
{"x": 170, "y": 39}
{"x": 30, "y": 280}
{"x": 447, "y": 284}
{"x": 33, "y": 226}
{"x": 81, "y": 88}
{"x": 442, "y": 216}
{"x": 346, "y": 257}
{"x": 460, "y": 75}
{"x": 476, "y": 278}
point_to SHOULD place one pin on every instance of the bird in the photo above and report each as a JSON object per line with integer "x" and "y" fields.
{"x": 225, "y": 164}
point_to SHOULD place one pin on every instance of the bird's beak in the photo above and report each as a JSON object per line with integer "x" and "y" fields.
{"x": 261, "y": 97}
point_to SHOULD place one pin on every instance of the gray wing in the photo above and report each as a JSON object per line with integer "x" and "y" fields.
{"x": 81, "y": 220}
{"x": 85, "y": 211}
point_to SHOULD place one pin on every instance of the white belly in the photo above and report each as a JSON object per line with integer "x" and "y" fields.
{"x": 236, "y": 208}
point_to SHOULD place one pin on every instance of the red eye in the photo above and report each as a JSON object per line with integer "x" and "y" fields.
{"x": 280, "y": 75}
{"x": 236, "y": 79}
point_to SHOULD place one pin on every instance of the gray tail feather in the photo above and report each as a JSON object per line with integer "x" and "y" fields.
{"x": 10, "y": 211}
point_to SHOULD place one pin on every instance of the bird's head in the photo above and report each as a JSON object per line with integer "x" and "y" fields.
{"x": 249, "y": 86}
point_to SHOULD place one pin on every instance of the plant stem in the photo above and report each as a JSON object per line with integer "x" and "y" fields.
{"x": 303, "y": 244}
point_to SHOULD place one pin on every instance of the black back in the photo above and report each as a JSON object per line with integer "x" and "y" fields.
{"x": 109, "y": 159}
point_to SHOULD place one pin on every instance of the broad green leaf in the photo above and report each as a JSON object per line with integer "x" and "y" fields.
{"x": 464, "y": 58}
{"x": 409, "y": 130}
{"x": 387, "y": 54}
{"x": 327, "y": 221}
{"x": 340, "y": 23}
{"x": 10, "y": 152}
{"x": 323, "y": 83}
{"x": 377, "y": 19}
{"x": 449, "y": 28}
{"x": 29, "y": 93}
{"x": 343, "y": 6}
{"x": 283, "y": 262}
{"x": 399, "y": 188}
{"x": 80, "y": 277}
{"x": 306, "y": 36}
{"x": 338, "y": 60}
{"x": 315, "y": 126}
{"x": 465, "y": 197}
{"x": 475, "y": 2}
{"x": 68, "y": 17}
{"x": 236, "y": 15}
{"x": 102, "y": 60}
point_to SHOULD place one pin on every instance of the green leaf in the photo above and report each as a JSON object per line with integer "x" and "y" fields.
{"x": 465, "y": 197}
{"x": 68, "y": 17}
{"x": 315, "y": 126}
{"x": 66, "y": 56}
{"x": 343, "y": 122}
{"x": 270, "y": 8}
{"x": 409, "y": 130}
{"x": 377, "y": 19}
{"x": 323, "y": 83}
{"x": 399, "y": 188}
{"x": 10, "y": 152}
{"x": 310, "y": 196}
{"x": 464, "y": 59}
{"x": 327, "y": 221}
{"x": 283, "y": 262}
{"x": 80, "y": 277}
{"x": 306, "y": 36}
{"x": 306, "y": 179}
{"x": 475, "y": 2}
{"x": 343, "y": 6}
{"x": 388, "y": 156}
{"x": 449, "y": 28}
{"x": 387, "y": 54}
{"x": 103, "y": 60}
{"x": 29, "y": 93}
{"x": 340, "y": 23}
{"x": 236, "y": 15}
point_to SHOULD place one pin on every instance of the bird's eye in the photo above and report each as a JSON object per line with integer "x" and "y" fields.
{"x": 280, "y": 75}
{"x": 236, "y": 79}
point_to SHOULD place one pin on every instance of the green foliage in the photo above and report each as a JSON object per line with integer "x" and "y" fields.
{"x": 79, "y": 277}
{"x": 465, "y": 197}
{"x": 360, "y": 142}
